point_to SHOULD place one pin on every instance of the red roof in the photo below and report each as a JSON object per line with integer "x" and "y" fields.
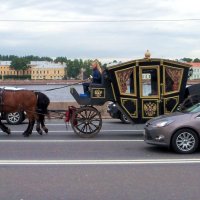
{"x": 197, "y": 64}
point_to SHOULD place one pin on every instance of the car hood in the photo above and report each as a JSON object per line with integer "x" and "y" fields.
{"x": 171, "y": 116}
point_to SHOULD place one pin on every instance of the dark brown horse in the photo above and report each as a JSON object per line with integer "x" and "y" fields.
{"x": 22, "y": 100}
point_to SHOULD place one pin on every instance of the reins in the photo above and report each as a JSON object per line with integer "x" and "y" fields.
{"x": 57, "y": 88}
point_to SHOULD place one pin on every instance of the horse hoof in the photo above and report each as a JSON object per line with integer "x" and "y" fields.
{"x": 46, "y": 131}
{"x": 26, "y": 135}
{"x": 8, "y": 131}
{"x": 40, "y": 132}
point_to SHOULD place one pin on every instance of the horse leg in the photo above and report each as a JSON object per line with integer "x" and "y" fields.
{"x": 31, "y": 118}
{"x": 29, "y": 130}
{"x": 31, "y": 127}
{"x": 4, "y": 128}
{"x": 43, "y": 125}
{"x": 38, "y": 127}
{"x": 25, "y": 133}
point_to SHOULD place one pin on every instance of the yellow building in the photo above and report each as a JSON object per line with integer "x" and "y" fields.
{"x": 47, "y": 70}
{"x": 5, "y": 69}
{"x": 37, "y": 70}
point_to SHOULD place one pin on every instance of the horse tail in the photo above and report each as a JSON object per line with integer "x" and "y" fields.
{"x": 43, "y": 102}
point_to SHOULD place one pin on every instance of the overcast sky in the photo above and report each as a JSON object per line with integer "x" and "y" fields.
{"x": 127, "y": 40}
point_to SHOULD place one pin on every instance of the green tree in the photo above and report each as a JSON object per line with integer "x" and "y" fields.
{"x": 20, "y": 64}
{"x": 87, "y": 68}
{"x": 61, "y": 60}
{"x": 196, "y": 60}
{"x": 73, "y": 68}
{"x": 187, "y": 59}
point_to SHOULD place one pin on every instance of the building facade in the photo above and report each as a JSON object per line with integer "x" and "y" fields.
{"x": 37, "y": 70}
{"x": 47, "y": 70}
{"x": 196, "y": 71}
{"x": 5, "y": 70}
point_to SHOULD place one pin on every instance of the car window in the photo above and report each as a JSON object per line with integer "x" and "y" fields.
{"x": 193, "y": 109}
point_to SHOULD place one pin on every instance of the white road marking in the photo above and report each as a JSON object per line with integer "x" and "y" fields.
{"x": 57, "y": 124}
{"x": 65, "y": 141}
{"x": 100, "y": 162}
{"x": 71, "y": 131}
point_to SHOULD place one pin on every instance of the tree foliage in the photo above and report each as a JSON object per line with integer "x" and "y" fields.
{"x": 187, "y": 59}
{"x": 75, "y": 66}
{"x": 29, "y": 57}
{"x": 61, "y": 60}
{"x": 20, "y": 64}
{"x": 196, "y": 60}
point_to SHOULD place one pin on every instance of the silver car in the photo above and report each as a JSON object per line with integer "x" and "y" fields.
{"x": 179, "y": 131}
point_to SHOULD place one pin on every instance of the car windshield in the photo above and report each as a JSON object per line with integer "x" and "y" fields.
{"x": 193, "y": 109}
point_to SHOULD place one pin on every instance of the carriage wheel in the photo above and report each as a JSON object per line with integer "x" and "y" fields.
{"x": 86, "y": 122}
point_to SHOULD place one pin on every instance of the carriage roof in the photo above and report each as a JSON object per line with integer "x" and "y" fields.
{"x": 151, "y": 60}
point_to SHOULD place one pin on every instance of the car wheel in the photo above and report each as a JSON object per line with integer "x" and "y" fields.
{"x": 124, "y": 119}
{"x": 185, "y": 141}
{"x": 14, "y": 118}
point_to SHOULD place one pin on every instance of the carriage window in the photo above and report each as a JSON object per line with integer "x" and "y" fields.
{"x": 149, "y": 82}
{"x": 126, "y": 81}
{"x": 173, "y": 78}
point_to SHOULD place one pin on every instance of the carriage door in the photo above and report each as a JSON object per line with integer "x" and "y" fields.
{"x": 172, "y": 78}
{"x": 126, "y": 82}
{"x": 149, "y": 91}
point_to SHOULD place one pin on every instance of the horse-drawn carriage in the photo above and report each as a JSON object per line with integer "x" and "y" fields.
{"x": 142, "y": 89}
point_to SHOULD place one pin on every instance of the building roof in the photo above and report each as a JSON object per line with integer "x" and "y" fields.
{"x": 5, "y": 63}
{"x": 195, "y": 64}
{"x": 46, "y": 64}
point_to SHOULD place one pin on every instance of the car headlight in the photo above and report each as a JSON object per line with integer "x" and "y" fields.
{"x": 162, "y": 123}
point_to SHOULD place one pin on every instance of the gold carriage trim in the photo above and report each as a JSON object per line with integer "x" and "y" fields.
{"x": 135, "y": 103}
{"x": 150, "y": 108}
{"x": 175, "y": 74}
{"x": 98, "y": 93}
{"x": 113, "y": 92}
{"x": 122, "y": 76}
{"x": 165, "y": 102}
{"x": 157, "y": 67}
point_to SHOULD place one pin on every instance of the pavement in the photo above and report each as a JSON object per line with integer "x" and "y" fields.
{"x": 117, "y": 164}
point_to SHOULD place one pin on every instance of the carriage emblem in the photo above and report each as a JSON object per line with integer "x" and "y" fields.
{"x": 150, "y": 109}
{"x": 98, "y": 93}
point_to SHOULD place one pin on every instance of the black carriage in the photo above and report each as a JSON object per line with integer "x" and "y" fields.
{"x": 142, "y": 89}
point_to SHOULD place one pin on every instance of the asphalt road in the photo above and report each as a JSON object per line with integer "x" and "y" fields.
{"x": 115, "y": 165}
